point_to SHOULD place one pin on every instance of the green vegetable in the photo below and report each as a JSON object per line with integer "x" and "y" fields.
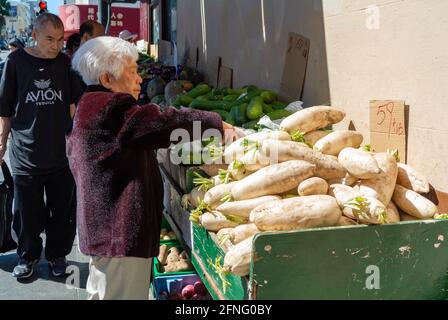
{"x": 255, "y": 108}
{"x": 240, "y": 114}
{"x": 191, "y": 175}
{"x": 236, "y": 92}
{"x": 231, "y": 118}
{"x": 230, "y": 98}
{"x": 279, "y": 114}
{"x": 202, "y": 182}
{"x": 251, "y": 124}
{"x": 199, "y": 90}
{"x": 205, "y": 97}
{"x": 267, "y": 108}
{"x": 277, "y": 105}
{"x": 217, "y": 94}
{"x": 268, "y": 96}
{"x": 254, "y": 91}
{"x": 182, "y": 101}
{"x": 224, "y": 114}
{"x": 209, "y": 105}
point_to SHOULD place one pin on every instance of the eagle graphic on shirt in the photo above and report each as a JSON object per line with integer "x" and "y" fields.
{"x": 42, "y": 84}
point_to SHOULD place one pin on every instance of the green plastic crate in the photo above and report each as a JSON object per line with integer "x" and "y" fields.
{"x": 166, "y": 225}
{"x": 156, "y": 263}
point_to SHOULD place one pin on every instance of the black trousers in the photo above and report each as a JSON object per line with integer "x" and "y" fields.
{"x": 33, "y": 215}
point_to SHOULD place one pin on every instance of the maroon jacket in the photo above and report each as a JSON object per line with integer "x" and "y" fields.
{"x": 111, "y": 151}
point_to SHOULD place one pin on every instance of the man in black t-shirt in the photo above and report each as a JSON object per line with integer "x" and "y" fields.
{"x": 37, "y": 94}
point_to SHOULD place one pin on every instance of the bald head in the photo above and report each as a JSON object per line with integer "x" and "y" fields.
{"x": 48, "y": 18}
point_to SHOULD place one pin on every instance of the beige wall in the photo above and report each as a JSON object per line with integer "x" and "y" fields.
{"x": 254, "y": 47}
{"x": 406, "y": 58}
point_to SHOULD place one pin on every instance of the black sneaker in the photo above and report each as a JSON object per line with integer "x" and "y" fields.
{"x": 24, "y": 269}
{"x": 58, "y": 267}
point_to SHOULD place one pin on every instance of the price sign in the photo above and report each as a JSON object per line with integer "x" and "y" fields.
{"x": 293, "y": 80}
{"x": 388, "y": 126}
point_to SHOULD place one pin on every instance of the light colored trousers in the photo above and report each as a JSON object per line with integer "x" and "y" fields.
{"x": 124, "y": 278}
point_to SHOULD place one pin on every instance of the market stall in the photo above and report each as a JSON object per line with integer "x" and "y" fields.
{"x": 338, "y": 241}
{"x": 337, "y": 215}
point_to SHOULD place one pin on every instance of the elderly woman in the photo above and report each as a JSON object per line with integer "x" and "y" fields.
{"x": 111, "y": 151}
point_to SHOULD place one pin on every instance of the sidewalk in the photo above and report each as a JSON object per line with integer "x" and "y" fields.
{"x": 42, "y": 285}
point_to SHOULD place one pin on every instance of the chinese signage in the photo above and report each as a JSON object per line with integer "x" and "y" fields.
{"x": 121, "y": 18}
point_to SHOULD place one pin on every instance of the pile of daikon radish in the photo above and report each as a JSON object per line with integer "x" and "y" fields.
{"x": 303, "y": 176}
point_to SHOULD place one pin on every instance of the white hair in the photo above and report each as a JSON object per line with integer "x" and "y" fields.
{"x": 103, "y": 55}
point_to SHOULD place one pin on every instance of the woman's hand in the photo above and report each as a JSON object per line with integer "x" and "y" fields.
{"x": 229, "y": 132}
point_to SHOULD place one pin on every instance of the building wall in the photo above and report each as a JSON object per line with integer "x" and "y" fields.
{"x": 251, "y": 37}
{"x": 20, "y": 23}
{"x": 350, "y": 62}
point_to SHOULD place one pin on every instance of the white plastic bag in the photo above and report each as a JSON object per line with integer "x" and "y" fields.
{"x": 295, "y": 106}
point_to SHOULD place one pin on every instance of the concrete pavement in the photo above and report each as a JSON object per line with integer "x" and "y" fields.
{"x": 42, "y": 285}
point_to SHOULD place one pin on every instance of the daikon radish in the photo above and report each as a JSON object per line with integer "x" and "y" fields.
{"x": 237, "y": 259}
{"x": 348, "y": 180}
{"x": 411, "y": 179}
{"x": 223, "y": 237}
{"x": 343, "y": 194}
{"x": 224, "y": 232}
{"x": 213, "y": 169}
{"x": 381, "y": 187}
{"x": 407, "y": 217}
{"x": 241, "y": 146}
{"x": 336, "y": 141}
{"x": 393, "y": 216}
{"x": 214, "y": 196}
{"x": 413, "y": 203}
{"x": 193, "y": 199}
{"x": 313, "y": 186}
{"x": 312, "y": 137}
{"x": 242, "y": 232}
{"x": 216, "y": 180}
{"x": 327, "y": 167}
{"x": 273, "y": 180}
{"x": 196, "y": 197}
{"x": 312, "y": 119}
{"x": 254, "y": 160}
{"x": 292, "y": 192}
{"x": 366, "y": 210}
{"x": 244, "y": 207}
{"x": 215, "y": 221}
{"x": 238, "y": 170}
{"x": 359, "y": 163}
{"x": 296, "y": 213}
{"x": 345, "y": 221}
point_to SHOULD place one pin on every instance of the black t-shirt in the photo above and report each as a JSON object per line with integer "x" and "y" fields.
{"x": 36, "y": 95}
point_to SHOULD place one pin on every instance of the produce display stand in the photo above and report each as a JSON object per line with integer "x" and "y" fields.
{"x": 335, "y": 263}
{"x": 407, "y": 260}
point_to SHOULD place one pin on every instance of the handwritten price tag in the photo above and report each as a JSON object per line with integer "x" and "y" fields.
{"x": 294, "y": 71}
{"x": 388, "y": 126}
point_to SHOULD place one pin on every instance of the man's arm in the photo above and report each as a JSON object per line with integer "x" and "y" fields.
{"x": 5, "y": 128}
